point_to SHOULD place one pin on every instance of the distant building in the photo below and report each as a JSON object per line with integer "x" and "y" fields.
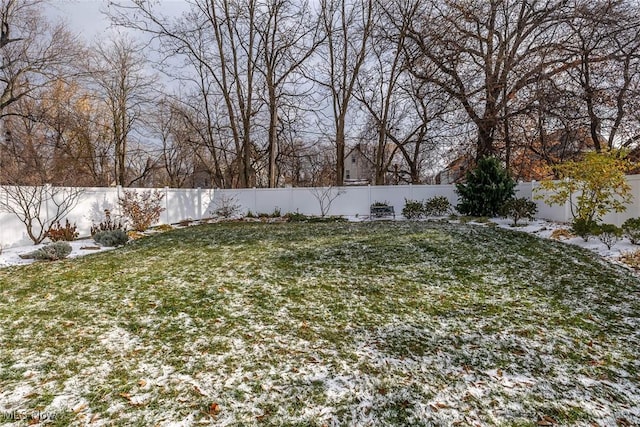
{"x": 455, "y": 171}
{"x": 530, "y": 162}
{"x": 359, "y": 169}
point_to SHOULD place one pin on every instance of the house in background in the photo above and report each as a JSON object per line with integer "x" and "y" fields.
{"x": 456, "y": 170}
{"x": 531, "y": 162}
{"x": 359, "y": 169}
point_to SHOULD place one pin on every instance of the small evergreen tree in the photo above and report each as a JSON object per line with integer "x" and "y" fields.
{"x": 486, "y": 189}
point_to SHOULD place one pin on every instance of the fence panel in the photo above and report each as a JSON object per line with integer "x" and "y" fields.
{"x": 183, "y": 204}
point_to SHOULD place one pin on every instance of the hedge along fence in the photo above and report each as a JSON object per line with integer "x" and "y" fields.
{"x": 195, "y": 204}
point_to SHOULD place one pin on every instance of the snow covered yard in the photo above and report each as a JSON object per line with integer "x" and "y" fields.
{"x": 382, "y": 323}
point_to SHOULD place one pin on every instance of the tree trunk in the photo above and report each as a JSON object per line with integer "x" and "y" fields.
{"x": 340, "y": 145}
{"x": 273, "y": 134}
{"x": 485, "y": 146}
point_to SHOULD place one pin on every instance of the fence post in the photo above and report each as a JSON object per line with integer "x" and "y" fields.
{"x": 118, "y": 191}
{"x": 533, "y": 188}
{"x": 290, "y": 199}
{"x": 48, "y": 193}
{"x": 255, "y": 199}
{"x": 2, "y": 193}
{"x": 166, "y": 205}
{"x": 199, "y": 201}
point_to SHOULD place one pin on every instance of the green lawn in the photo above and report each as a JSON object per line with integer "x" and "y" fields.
{"x": 382, "y": 323}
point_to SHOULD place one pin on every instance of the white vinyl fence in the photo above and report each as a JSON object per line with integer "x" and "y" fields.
{"x": 196, "y": 204}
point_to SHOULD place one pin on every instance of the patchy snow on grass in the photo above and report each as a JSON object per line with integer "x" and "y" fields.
{"x": 545, "y": 229}
{"x": 11, "y": 256}
{"x": 380, "y": 323}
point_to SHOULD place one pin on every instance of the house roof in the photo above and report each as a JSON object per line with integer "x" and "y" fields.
{"x": 358, "y": 148}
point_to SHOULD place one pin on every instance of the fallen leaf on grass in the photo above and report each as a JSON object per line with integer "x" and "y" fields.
{"x": 547, "y": 421}
{"x": 214, "y": 409}
{"x": 132, "y": 399}
{"x": 79, "y": 408}
{"x": 436, "y": 407}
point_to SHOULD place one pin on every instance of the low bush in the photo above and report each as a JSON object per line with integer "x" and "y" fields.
{"x": 277, "y": 213}
{"x": 631, "y": 229}
{"x": 111, "y": 238}
{"x": 609, "y": 234}
{"x": 163, "y": 227}
{"x": 592, "y": 186}
{"x": 412, "y": 209}
{"x": 476, "y": 219}
{"x": 57, "y": 232}
{"x": 584, "y": 228}
{"x": 298, "y": 217}
{"x": 437, "y": 206}
{"x": 135, "y": 235}
{"x": 519, "y": 208}
{"x": 632, "y": 259}
{"x": 141, "y": 209}
{"x": 50, "y": 252}
{"x": 108, "y": 224}
{"x": 227, "y": 207}
{"x": 561, "y": 233}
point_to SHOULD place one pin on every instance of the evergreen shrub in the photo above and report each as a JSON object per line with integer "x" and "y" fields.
{"x": 486, "y": 189}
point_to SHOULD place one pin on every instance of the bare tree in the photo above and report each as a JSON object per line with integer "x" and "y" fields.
{"x": 26, "y": 154}
{"x": 288, "y": 38}
{"x": 348, "y": 27}
{"x": 325, "y": 197}
{"x": 56, "y": 135}
{"x": 118, "y": 71}
{"x": 33, "y": 52}
{"x": 219, "y": 39}
{"x": 486, "y": 54}
{"x": 399, "y": 107}
{"x": 177, "y": 157}
{"x": 605, "y": 39}
{"x": 39, "y": 207}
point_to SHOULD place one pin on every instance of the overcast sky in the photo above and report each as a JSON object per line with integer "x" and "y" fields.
{"x": 86, "y": 18}
{"x": 82, "y": 16}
